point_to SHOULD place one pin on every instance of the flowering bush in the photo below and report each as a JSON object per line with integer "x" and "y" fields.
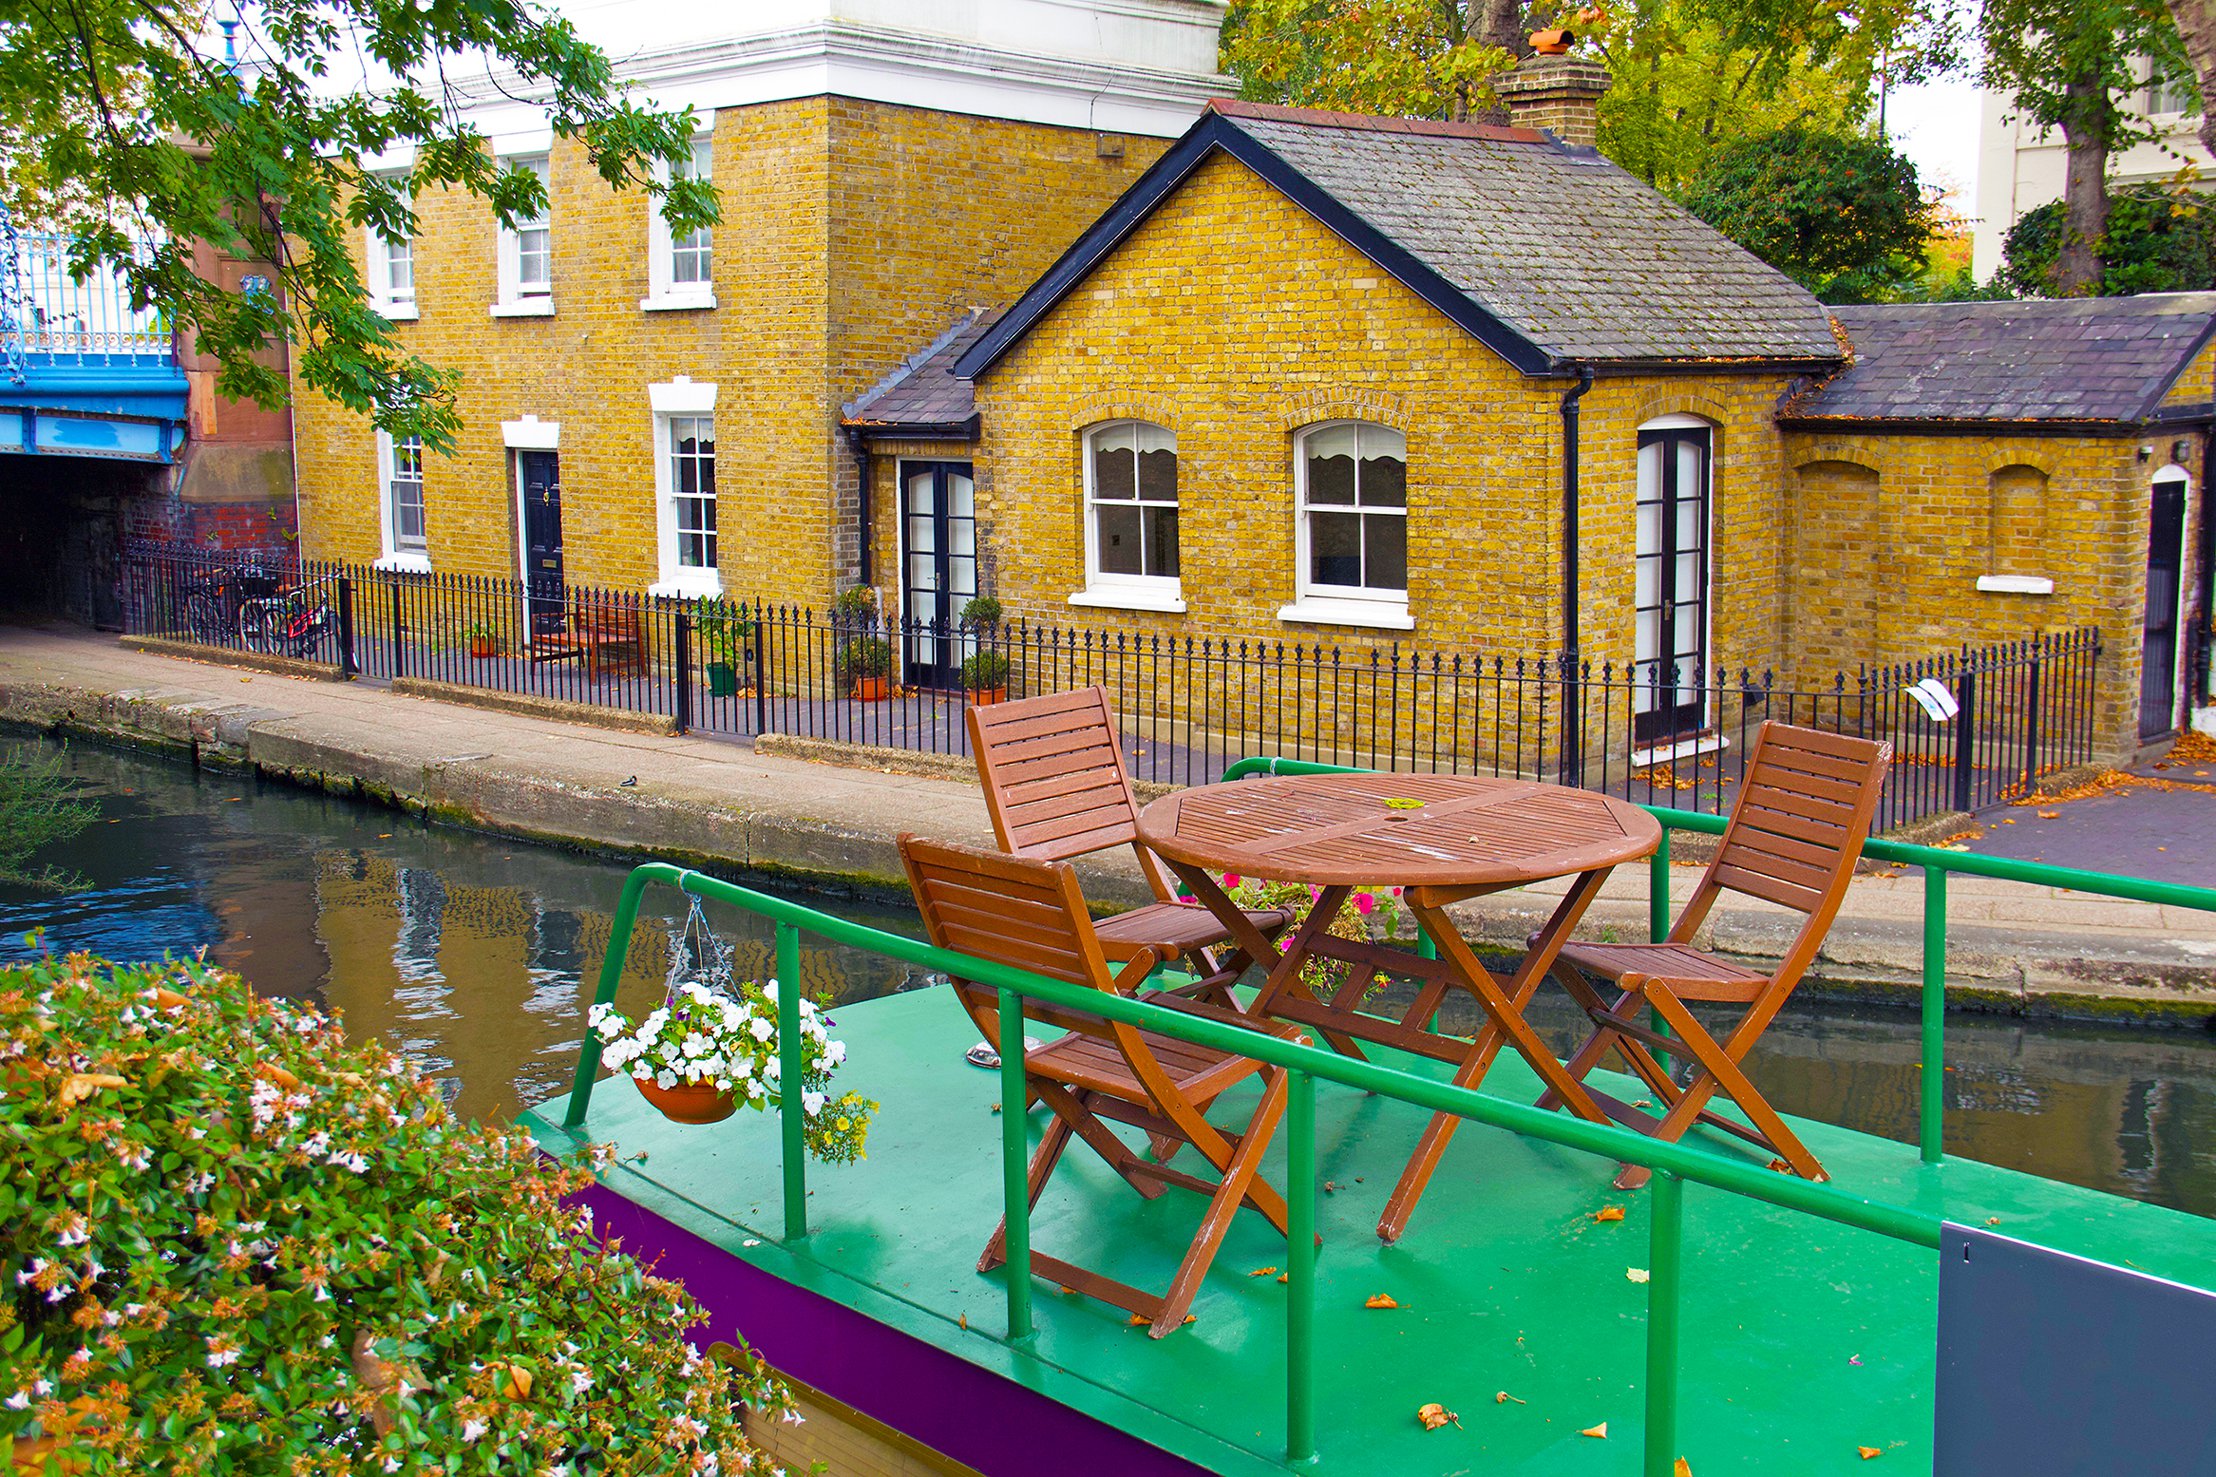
{"x": 240, "y": 1244}
{"x": 1370, "y": 912}
{"x": 729, "y": 1042}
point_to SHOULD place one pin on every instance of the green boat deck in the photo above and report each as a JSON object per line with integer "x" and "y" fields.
{"x": 1802, "y": 1340}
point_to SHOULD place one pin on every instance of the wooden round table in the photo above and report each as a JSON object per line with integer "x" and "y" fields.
{"x": 1442, "y": 838}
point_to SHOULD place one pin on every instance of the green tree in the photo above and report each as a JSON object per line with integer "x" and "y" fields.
{"x": 2156, "y": 240}
{"x": 1415, "y": 58}
{"x": 2073, "y": 65}
{"x": 39, "y": 805}
{"x": 1839, "y": 214}
{"x": 120, "y": 118}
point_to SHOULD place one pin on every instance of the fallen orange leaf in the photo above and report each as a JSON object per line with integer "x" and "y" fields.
{"x": 1262, "y": 1271}
{"x": 1138, "y": 1320}
{"x": 1683, "y": 1468}
{"x": 1436, "y": 1415}
{"x": 1609, "y": 1213}
{"x": 1379, "y": 1300}
{"x": 1504, "y": 1398}
{"x": 1284, "y": 1276}
{"x": 1870, "y": 1451}
{"x": 1598, "y": 1433}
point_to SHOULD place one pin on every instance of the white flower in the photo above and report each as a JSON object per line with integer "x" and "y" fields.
{"x": 580, "y": 1381}
{"x": 754, "y": 1090}
{"x": 221, "y": 1351}
{"x": 773, "y": 1067}
{"x": 742, "y": 1067}
{"x": 807, "y": 1008}
{"x": 392, "y": 1464}
{"x": 811, "y": 1103}
{"x": 471, "y": 1430}
{"x": 834, "y": 1052}
{"x": 761, "y": 1029}
{"x": 38, "y": 1265}
{"x": 20, "y": 1400}
{"x": 665, "y": 1079}
{"x": 696, "y": 1045}
{"x": 76, "y": 1230}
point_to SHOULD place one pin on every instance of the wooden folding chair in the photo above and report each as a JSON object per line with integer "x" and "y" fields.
{"x": 1057, "y": 787}
{"x": 1030, "y": 914}
{"x": 1796, "y": 831}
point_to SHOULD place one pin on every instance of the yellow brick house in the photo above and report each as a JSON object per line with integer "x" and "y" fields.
{"x": 643, "y": 412}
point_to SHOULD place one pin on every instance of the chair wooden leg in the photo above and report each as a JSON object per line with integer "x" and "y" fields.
{"x": 1241, "y": 1170}
{"x": 1043, "y": 1160}
{"x": 1076, "y": 1110}
{"x": 1596, "y": 1046}
{"x": 1720, "y": 1071}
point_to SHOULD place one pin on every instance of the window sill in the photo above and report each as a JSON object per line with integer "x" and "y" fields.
{"x": 2015, "y": 584}
{"x": 395, "y": 312}
{"x": 404, "y": 563}
{"x": 530, "y": 307}
{"x": 1383, "y": 615}
{"x": 693, "y": 585}
{"x": 1120, "y": 597}
{"x": 677, "y": 302}
{"x": 1692, "y": 748}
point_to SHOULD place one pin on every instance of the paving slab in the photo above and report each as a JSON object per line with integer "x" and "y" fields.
{"x": 714, "y": 802}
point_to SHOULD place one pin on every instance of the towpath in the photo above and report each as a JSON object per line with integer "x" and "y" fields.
{"x": 722, "y": 804}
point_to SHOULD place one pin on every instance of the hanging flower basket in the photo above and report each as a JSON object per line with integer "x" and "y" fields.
{"x": 711, "y": 1048}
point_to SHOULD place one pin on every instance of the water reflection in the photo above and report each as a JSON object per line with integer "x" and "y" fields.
{"x": 474, "y": 954}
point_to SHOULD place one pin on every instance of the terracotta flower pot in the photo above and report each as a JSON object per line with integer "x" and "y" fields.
{"x": 985, "y": 697}
{"x": 869, "y": 689}
{"x": 689, "y": 1102}
{"x": 484, "y": 646}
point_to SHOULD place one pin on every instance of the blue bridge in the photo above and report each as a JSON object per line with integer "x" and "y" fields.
{"x": 83, "y": 372}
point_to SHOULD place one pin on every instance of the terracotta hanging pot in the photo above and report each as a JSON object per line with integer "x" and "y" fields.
{"x": 689, "y": 1102}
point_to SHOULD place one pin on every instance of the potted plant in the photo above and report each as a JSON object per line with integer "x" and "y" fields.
{"x": 981, "y": 610}
{"x": 724, "y": 638}
{"x": 855, "y": 609}
{"x": 985, "y": 674}
{"x": 864, "y": 664}
{"x": 484, "y": 639}
{"x": 701, "y": 1055}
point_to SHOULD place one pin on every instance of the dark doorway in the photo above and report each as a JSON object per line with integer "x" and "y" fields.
{"x": 1670, "y": 575}
{"x": 2158, "y": 650}
{"x": 541, "y": 475}
{"x": 938, "y": 515}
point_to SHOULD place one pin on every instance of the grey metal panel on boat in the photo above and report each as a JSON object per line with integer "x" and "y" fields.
{"x": 2054, "y": 1364}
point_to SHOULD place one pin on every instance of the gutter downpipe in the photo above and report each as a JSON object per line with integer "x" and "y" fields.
{"x": 858, "y": 440}
{"x": 1572, "y": 716}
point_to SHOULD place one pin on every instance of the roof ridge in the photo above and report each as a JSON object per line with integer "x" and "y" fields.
{"x": 912, "y": 363}
{"x": 1377, "y": 122}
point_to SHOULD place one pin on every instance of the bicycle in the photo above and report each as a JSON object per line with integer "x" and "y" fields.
{"x": 287, "y": 623}
{"x": 214, "y": 599}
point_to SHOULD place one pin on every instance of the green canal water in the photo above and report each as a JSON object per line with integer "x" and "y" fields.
{"x": 474, "y": 955}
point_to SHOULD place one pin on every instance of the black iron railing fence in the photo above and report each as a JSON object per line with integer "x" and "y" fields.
{"x": 1189, "y": 704}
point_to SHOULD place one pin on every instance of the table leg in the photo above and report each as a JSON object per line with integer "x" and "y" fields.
{"x": 1284, "y": 972}
{"x": 1504, "y": 1012}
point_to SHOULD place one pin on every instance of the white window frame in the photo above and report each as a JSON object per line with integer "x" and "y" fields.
{"x": 664, "y": 292}
{"x": 1681, "y": 421}
{"x": 394, "y": 305}
{"x": 679, "y": 397}
{"x": 1340, "y": 605}
{"x": 516, "y": 299}
{"x": 2154, "y": 93}
{"x": 396, "y": 557}
{"x": 1126, "y": 591}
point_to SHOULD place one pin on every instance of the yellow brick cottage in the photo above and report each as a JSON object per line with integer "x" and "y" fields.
{"x": 1333, "y": 379}
{"x": 643, "y": 412}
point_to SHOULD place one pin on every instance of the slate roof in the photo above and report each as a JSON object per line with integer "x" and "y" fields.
{"x": 924, "y": 394}
{"x": 2074, "y": 360}
{"x": 1546, "y": 252}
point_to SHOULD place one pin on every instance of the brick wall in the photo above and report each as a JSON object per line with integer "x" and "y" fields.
{"x": 852, "y": 233}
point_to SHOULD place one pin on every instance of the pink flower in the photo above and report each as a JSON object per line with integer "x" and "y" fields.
{"x": 1230, "y": 879}
{"x": 1365, "y": 903}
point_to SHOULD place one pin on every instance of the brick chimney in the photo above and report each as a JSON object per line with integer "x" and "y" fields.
{"x": 1554, "y": 91}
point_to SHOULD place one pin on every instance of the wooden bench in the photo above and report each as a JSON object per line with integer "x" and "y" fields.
{"x": 604, "y": 634}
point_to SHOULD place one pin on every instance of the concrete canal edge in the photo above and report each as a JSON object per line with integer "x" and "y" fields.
{"x": 826, "y": 815}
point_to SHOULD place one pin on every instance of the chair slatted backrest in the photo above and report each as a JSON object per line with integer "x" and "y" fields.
{"x": 1012, "y": 910}
{"x": 1055, "y": 779}
{"x": 1803, "y": 811}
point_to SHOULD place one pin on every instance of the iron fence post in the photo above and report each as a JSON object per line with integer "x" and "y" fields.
{"x": 348, "y": 667}
{"x": 399, "y": 663}
{"x": 2031, "y": 721}
{"x": 761, "y": 670}
{"x": 682, "y": 656}
{"x": 1665, "y": 1245}
{"x": 1015, "y": 1184}
{"x": 1931, "y": 1116}
{"x": 1300, "y": 1269}
{"x": 1965, "y": 740}
{"x": 791, "y": 1082}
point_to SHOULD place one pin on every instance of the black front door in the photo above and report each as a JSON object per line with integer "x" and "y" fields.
{"x": 2158, "y": 668}
{"x": 542, "y": 537}
{"x": 938, "y": 518}
{"x": 1670, "y": 581}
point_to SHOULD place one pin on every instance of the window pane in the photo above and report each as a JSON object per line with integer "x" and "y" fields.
{"x": 1158, "y": 475}
{"x": 1118, "y": 531}
{"x": 1384, "y": 476}
{"x": 1386, "y": 547}
{"x": 1331, "y": 467}
{"x": 1161, "y": 541}
{"x": 1115, "y": 475}
{"x": 1335, "y": 548}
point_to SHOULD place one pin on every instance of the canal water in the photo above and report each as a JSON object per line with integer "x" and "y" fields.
{"x": 474, "y": 954}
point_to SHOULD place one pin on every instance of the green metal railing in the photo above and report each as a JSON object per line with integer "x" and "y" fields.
{"x": 1673, "y": 1163}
